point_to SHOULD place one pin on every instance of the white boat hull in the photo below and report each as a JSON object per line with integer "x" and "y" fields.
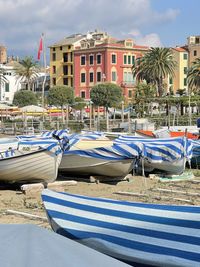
{"x": 30, "y": 166}
{"x": 79, "y": 165}
{"x": 171, "y": 168}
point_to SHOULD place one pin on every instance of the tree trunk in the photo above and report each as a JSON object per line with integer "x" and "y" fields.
{"x": 160, "y": 87}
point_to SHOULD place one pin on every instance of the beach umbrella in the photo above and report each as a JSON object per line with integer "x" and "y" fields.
{"x": 27, "y": 245}
{"x": 4, "y": 106}
{"x": 32, "y": 108}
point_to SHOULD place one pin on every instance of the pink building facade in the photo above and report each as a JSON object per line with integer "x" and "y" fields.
{"x": 107, "y": 62}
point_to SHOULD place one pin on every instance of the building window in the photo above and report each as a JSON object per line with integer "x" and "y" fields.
{"x": 7, "y": 87}
{"x": 83, "y": 77}
{"x": 129, "y": 93}
{"x": 54, "y": 49}
{"x": 125, "y": 59}
{"x": 195, "y": 53}
{"x": 185, "y": 70}
{"x": 54, "y": 81}
{"x": 98, "y": 59}
{"x": 91, "y": 77}
{"x": 65, "y": 57}
{"x": 129, "y": 59}
{"x": 128, "y": 78}
{"x": 133, "y": 60}
{"x": 185, "y": 56}
{"x": 72, "y": 71}
{"x": 114, "y": 59}
{"x": 170, "y": 80}
{"x": 54, "y": 69}
{"x": 83, "y": 94}
{"x": 65, "y": 70}
{"x": 98, "y": 76}
{"x": 69, "y": 47}
{"x": 114, "y": 76}
{"x": 91, "y": 59}
{"x": 54, "y": 57}
{"x": 83, "y": 61}
{"x": 185, "y": 81}
{"x": 60, "y": 47}
{"x": 65, "y": 81}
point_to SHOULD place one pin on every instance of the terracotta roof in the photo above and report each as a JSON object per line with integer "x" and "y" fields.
{"x": 69, "y": 40}
{"x": 180, "y": 49}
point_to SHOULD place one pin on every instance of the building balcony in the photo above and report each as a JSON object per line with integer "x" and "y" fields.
{"x": 67, "y": 75}
{"x": 127, "y": 84}
{"x": 67, "y": 62}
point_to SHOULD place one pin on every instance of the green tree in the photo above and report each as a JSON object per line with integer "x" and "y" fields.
{"x": 79, "y": 104}
{"x": 60, "y": 96}
{"x": 106, "y": 94}
{"x": 23, "y": 98}
{"x": 154, "y": 67}
{"x": 193, "y": 76}
{"x": 143, "y": 94}
{"x": 27, "y": 70}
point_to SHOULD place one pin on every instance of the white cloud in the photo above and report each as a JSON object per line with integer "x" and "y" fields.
{"x": 152, "y": 40}
{"x": 23, "y": 21}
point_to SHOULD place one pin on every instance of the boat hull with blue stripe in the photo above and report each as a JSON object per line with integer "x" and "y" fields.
{"x": 137, "y": 233}
{"x": 99, "y": 158}
{"x": 32, "y": 161}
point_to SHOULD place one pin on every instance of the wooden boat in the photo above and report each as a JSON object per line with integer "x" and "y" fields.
{"x": 137, "y": 233}
{"x": 161, "y": 155}
{"x": 26, "y": 245}
{"x": 167, "y": 134}
{"x": 98, "y": 158}
{"x": 32, "y": 161}
{"x": 6, "y": 142}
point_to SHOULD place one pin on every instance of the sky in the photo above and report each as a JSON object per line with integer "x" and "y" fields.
{"x": 149, "y": 22}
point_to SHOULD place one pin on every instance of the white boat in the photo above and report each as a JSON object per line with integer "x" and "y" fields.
{"x": 98, "y": 158}
{"x": 167, "y": 156}
{"x": 30, "y": 245}
{"x": 141, "y": 234}
{"x": 32, "y": 161}
{"x": 6, "y": 142}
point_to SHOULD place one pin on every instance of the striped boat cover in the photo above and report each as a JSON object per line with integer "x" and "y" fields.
{"x": 151, "y": 234}
{"x": 114, "y": 152}
{"x": 196, "y": 148}
{"x": 59, "y": 133}
{"x": 48, "y": 144}
{"x": 75, "y": 138}
{"x": 158, "y": 150}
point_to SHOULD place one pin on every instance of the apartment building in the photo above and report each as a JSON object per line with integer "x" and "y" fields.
{"x": 3, "y": 54}
{"x": 110, "y": 61}
{"x": 62, "y": 56}
{"x": 193, "y": 44}
{"x": 179, "y": 81}
{"x": 61, "y": 60}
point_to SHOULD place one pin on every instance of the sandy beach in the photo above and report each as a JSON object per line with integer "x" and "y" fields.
{"x": 138, "y": 189}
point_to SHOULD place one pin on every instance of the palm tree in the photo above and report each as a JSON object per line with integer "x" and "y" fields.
{"x": 155, "y": 66}
{"x": 27, "y": 70}
{"x": 193, "y": 75}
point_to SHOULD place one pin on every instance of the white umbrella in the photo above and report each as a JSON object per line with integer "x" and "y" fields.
{"x": 4, "y": 106}
{"x": 32, "y": 108}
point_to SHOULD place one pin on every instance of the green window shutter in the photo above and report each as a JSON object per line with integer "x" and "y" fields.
{"x": 7, "y": 89}
{"x": 125, "y": 59}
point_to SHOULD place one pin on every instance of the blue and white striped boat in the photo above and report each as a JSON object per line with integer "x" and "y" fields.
{"x": 32, "y": 161}
{"x": 137, "y": 233}
{"x": 162, "y": 155}
{"x": 105, "y": 160}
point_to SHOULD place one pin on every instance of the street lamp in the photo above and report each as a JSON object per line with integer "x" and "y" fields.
{"x": 122, "y": 114}
{"x": 90, "y": 102}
